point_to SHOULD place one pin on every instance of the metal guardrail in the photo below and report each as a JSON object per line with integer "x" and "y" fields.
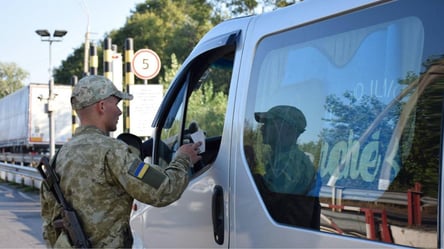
{"x": 24, "y": 175}
{"x": 19, "y": 158}
{"x": 29, "y": 176}
{"x": 397, "y": 198}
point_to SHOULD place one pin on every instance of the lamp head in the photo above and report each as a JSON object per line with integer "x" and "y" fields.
{"x": 43, "y": 32}
{"x": 59, "y": 33}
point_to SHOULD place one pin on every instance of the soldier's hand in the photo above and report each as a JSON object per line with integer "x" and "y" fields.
{"x": 192, "y": 150}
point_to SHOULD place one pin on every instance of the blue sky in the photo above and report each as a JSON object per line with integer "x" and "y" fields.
{"x": 20, "y": 18}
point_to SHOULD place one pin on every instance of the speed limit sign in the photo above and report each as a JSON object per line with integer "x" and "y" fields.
{"x": 146, "y": 64}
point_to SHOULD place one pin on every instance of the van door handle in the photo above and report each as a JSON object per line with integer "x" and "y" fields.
{"x": 218, "y": 214}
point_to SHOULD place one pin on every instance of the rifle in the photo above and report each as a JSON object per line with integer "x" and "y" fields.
{"x": 70, "y": 220}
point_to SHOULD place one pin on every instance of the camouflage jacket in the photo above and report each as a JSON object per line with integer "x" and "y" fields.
{"x": 100, "y": 176}
{"x": 290, "y": 172}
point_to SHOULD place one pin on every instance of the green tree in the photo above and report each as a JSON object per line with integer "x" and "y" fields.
{"x": 419, "y": 146}
{"x": 256, "y": 151}
{"x": 243, "y": 6}
{"x": 249, "y": 7}
{"x": 73, "y": 66}
{"x": 169, "y": 72}
{"x": 349, "y": 113}
{"x": 208, "y": 107}
{"x": 167, "y": 27}
{"x": 11, "y": 78}
{"x": 421, "y": 153}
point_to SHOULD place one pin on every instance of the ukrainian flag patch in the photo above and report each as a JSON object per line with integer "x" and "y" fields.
{"x": 138, "y": 169}
{"x": 141, "y": 170}
{"x": 146, "y": 173}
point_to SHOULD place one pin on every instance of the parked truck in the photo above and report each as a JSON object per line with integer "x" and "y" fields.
{"x": 24, "y": 121}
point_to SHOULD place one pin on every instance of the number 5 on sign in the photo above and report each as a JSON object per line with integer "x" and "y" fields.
{"x": 145, "y": 64}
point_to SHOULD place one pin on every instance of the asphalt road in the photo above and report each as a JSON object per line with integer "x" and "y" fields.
{"x": 20, "y": 221}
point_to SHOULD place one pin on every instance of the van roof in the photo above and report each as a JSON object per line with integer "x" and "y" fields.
{"x": 300, "y": 13}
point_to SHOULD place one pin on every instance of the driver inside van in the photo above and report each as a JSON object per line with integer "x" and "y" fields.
{"x": 290, "y": 184}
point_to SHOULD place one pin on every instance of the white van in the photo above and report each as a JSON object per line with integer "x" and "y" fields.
{"x": 323, "y": 128}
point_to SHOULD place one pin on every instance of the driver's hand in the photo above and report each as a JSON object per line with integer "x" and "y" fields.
{"x": 192, "y": 150}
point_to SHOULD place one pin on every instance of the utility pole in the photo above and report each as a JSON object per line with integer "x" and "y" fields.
{"x": 47, "y": 37}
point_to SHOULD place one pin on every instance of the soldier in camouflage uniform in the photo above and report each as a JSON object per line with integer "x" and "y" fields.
{"x": 100, "y": 176}
{"x": 290, "y": 184}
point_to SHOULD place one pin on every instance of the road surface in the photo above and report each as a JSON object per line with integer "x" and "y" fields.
{"x": 19, "y": 218}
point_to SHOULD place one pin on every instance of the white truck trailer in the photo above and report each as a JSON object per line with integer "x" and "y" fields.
{"x": 24, "y": 122}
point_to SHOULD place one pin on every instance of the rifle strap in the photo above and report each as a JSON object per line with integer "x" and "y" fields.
{"x": 61, "y": 223}
{"x": 51, "y": 181}
{"x": 53, "y": 164}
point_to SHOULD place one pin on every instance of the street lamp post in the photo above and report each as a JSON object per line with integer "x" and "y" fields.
{"x": 47, "y": 37}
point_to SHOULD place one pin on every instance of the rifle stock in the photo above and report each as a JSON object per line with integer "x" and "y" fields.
{"x": 75, "y": 232}
{"x": 71, "y": 222}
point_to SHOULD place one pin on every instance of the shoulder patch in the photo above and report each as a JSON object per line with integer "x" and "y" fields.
{"x": 146, "y": 173}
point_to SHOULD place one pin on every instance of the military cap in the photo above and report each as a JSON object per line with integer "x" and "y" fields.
{"x": 93, "y": 88}
{"x": 289, "y": 114}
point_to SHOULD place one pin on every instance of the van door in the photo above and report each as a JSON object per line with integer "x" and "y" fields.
{"x": 196, "y": 102}
{"x": 342, "y": 130}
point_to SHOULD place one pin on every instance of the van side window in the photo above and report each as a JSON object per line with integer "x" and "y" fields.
{"x": 343, "y": 125}
{"x": 199, "y": 106}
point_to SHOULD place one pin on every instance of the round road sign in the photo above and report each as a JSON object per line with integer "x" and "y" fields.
{"x": 145, "y": 64}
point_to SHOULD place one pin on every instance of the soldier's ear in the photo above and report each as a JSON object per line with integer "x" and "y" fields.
{"x": 100, "y": 106}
